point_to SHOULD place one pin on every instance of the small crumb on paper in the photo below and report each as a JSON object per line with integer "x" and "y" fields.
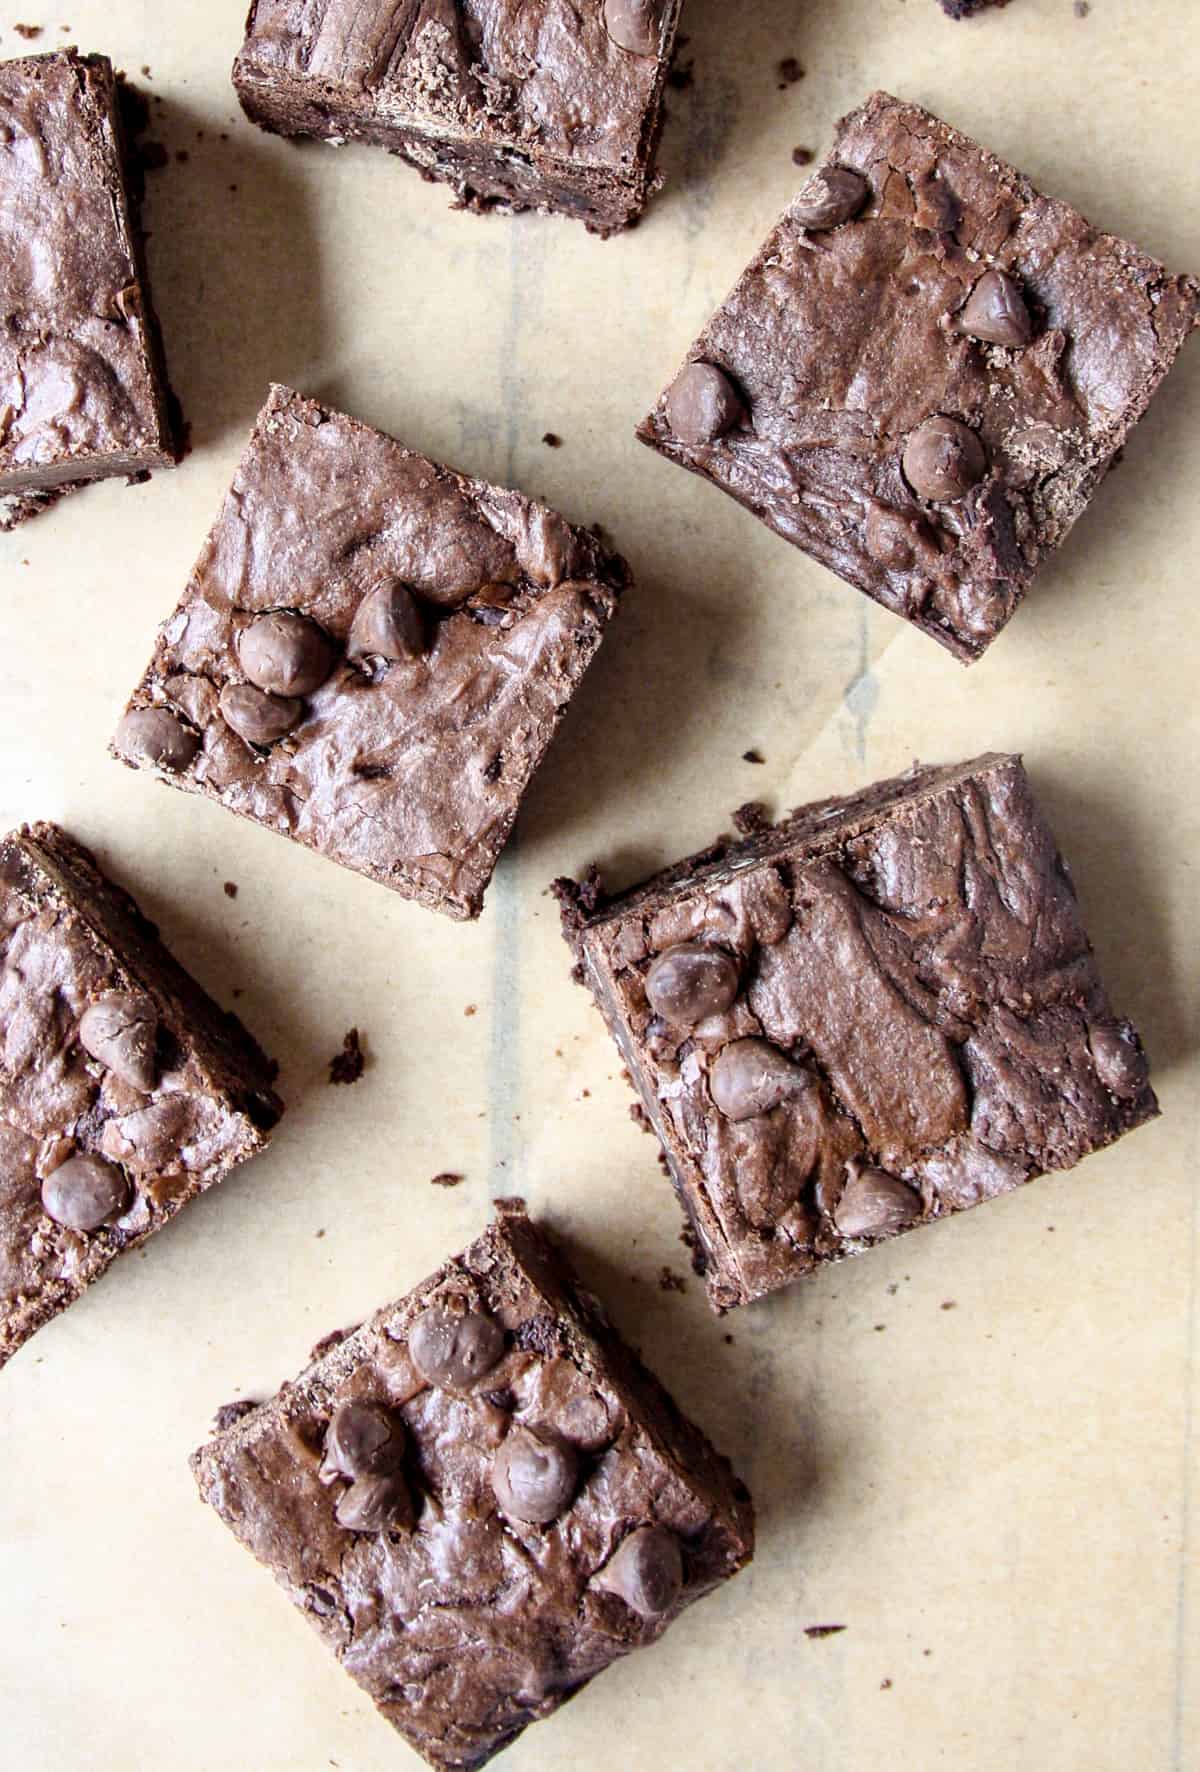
{"x": 350, "y": 1062}
{"x": 817, "y": 1631}
{"x": 230, "y": 889}
{"x": 447, "y": 1178}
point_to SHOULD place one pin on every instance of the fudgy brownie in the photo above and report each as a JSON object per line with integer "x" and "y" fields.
{"x": 880, "y": 1011}
{"x": 480, "y": 1498}
{"x": 925, "y": 373}
{"x": 83, "y": 393}
{"x": 124, "y": 1090}
{"x": 547, "y": 104}
{"x": 372, "y": 654}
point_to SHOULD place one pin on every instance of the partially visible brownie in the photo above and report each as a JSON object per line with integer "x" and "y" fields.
{"x": 83, "y": 391}
{"x": 124, "y": 1090}
{"x": 968, "y": 8}
{"x": 480, "y": 1498}
{"x": 926, "y": 372}
{"x": 880, "y": 1011}
{"x": 546, "y": 104}
{"x": 373, "y": 653}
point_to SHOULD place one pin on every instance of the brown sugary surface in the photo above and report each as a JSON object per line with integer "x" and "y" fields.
{"x": 79, "y": 389}
{"x": 472, "y": 1625}
{"x": 924, "y": 954}
{"x": 67, "y": 936}
{"x": 844, "y": 341}
{"x": 413, "y": 778}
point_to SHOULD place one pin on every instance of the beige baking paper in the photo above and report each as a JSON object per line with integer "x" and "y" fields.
{"x": 974, "y": 1448}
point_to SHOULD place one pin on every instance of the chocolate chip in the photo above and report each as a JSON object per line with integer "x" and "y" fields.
{"x": 152, "y": 735}
{"x": 702, "y": 404}
{"x": 286, "y": 654}
{"x": 85, "y": 1192}
{"x": 893, "y": 537}
{"x": 533, "y": 1479}
{"x": 750, "y": 1077}
{"x": 943, "y": 459}
{"x": 387, "y": 624}
{"x": 995, "y": 311}
{"x": 452, "y": 1351}
{"x": 121, "y": 1031}
{"x": 635, "y": 25}
{"x": 362, "y": 1440}
{"x": 373, "y": 1503}
{"x": 691, "y": 982}
{"x": 257, "y": 717}
{"x": 875, "y": 1204}
{"x": 830, "y": 197}
{"x": 646, "y": 1572}
{"x": 1119, "y": 1060}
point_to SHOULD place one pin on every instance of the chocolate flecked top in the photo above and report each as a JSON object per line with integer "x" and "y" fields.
{"x": 82, "y": 392}
{"x": 124, "y": 1090}
{"x": 925, "y": 373}
{"x": 372, "y": 654}
{"x": 880, "y": 1011}
{"x": 480, "y": 1498}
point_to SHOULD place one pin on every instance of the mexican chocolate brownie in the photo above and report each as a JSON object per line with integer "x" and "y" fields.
{"x": 547, "y": 104}
{"x": 480, "y": 1498}
{"x": 926, "y": 372}
{"x": 83, "y": 392}
{"x": 372, "y": 654}
{"x": 879, "y": 1011}
{"x": 124, "y": 1090}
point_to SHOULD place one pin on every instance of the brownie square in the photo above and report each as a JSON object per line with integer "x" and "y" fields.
{"x": 124, "y": 1090}
{"x": 925, "y": 373}
{"x": 480, "y": 1498}
{"x": 83, "y": 392}
{"x": 878, "y": 1012}
{"x": 547, "y": 104}
{"x": 372, "y": 654}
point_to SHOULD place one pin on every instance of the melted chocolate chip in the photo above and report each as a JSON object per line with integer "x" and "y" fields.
{"x": 830, "y": 197}
{"x": 533, "y": 1479}
{"x": 84, "y": 1193}
{"x": 256, "y": 716}
{"x": 362, "y": 1440}
{"x": 750, "y": 1077}
{"x": 702, "y": 404}
{"x": 454, "y": 1352}
{"x": 646, "y": 1572}
{"x": 152, "y": 735}
{"x": 996, "y": 312}
{"x": 286, "y": 654}
{"x": 690, "y": 982}
{"x": 1119, "y": 1060}
{"x": 121, "y": 1031}
{"x": 875, "y": 1204}
{"x": 374, "y": 1503}
{"x": 387, "y": 624}
{"x": 635, "y": 25}
{"x": 943, "y": 459}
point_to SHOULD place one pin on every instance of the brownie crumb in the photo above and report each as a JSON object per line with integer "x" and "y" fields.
{"x": 470, "y": 1009}
{"x": 728, "y": 1341}
{"x": 29, "y": 32}
{"x": 949, "y": 1304}
{"x": 640, "y": 1117}
{"x": 816, "y": 1631}
{"x": 1082, "y": 8}
{"x": 879, "y": 1328}
{"x": 230, "y": 889}
{"x": 885, "y": 1685}
{"x": 229, "y": 1413}
{"x": 552, "y": 440}
{"x": 750, "y": 818}
{"x": 447, "y": 1178}
{"x": 670, "y": 1281}
{"x": 753, "y": 757}
{"x": 319, "y": 1234}
{"x": 802, "y": 156}
{"x": 146, "y": 74}
{"x": 350, "y": 1062}
{"x": 789, "y": 71}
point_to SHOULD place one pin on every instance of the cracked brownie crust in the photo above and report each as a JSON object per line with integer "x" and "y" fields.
{"x": 880, "y": 1011}
{"x": 124, "y": 1090}
{"x": 926, "y": 372}
{"x": 82, "y": 389}
{"x": 545, "y": 1508}
{"x": 518, "y": 104}
{"x": 373, "y": 654}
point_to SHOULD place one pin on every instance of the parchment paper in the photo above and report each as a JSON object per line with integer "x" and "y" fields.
{"x": 974, "y": 1448}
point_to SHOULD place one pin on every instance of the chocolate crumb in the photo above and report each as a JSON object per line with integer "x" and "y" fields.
{"x": 728, "y": 1341}
{"x": 146, "y": 74}
{"x": 447, "y": 1178}
{"x": 470, "y": 1009}
{"x": 228, "y": 1413}
{"x": 816, "y": 1631}
{"x": 750, "y": 818}
{"x": 230, "y": 889}
{"x": 879, "y": 1328}
{"x": 1082, "y": 8}
{"x": 552, "y": 440}
{"x": 29, "y": 32}
{"x": 802, "y": 156}
{"x": 319, "y": 1234}
{"x": 949, "y": 1304}
{"x": 789, "y": 71}
{"x": 350, "y": 1062}
{"x": 670, "y": 1281}
{"x": 885, "y": 1685}
{"x": 753, "y": 757}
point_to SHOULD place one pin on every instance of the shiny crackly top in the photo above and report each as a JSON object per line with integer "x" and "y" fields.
{"x": 841, "y": 340}
{"x": 75, "y": 377}
{"x": 410, "y": 769}
{"x": 462, "y": 1622}
{"x": 167, "y": 1141}
{"x": 541, "y": 73}
{"x": 928, "y": 1026}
